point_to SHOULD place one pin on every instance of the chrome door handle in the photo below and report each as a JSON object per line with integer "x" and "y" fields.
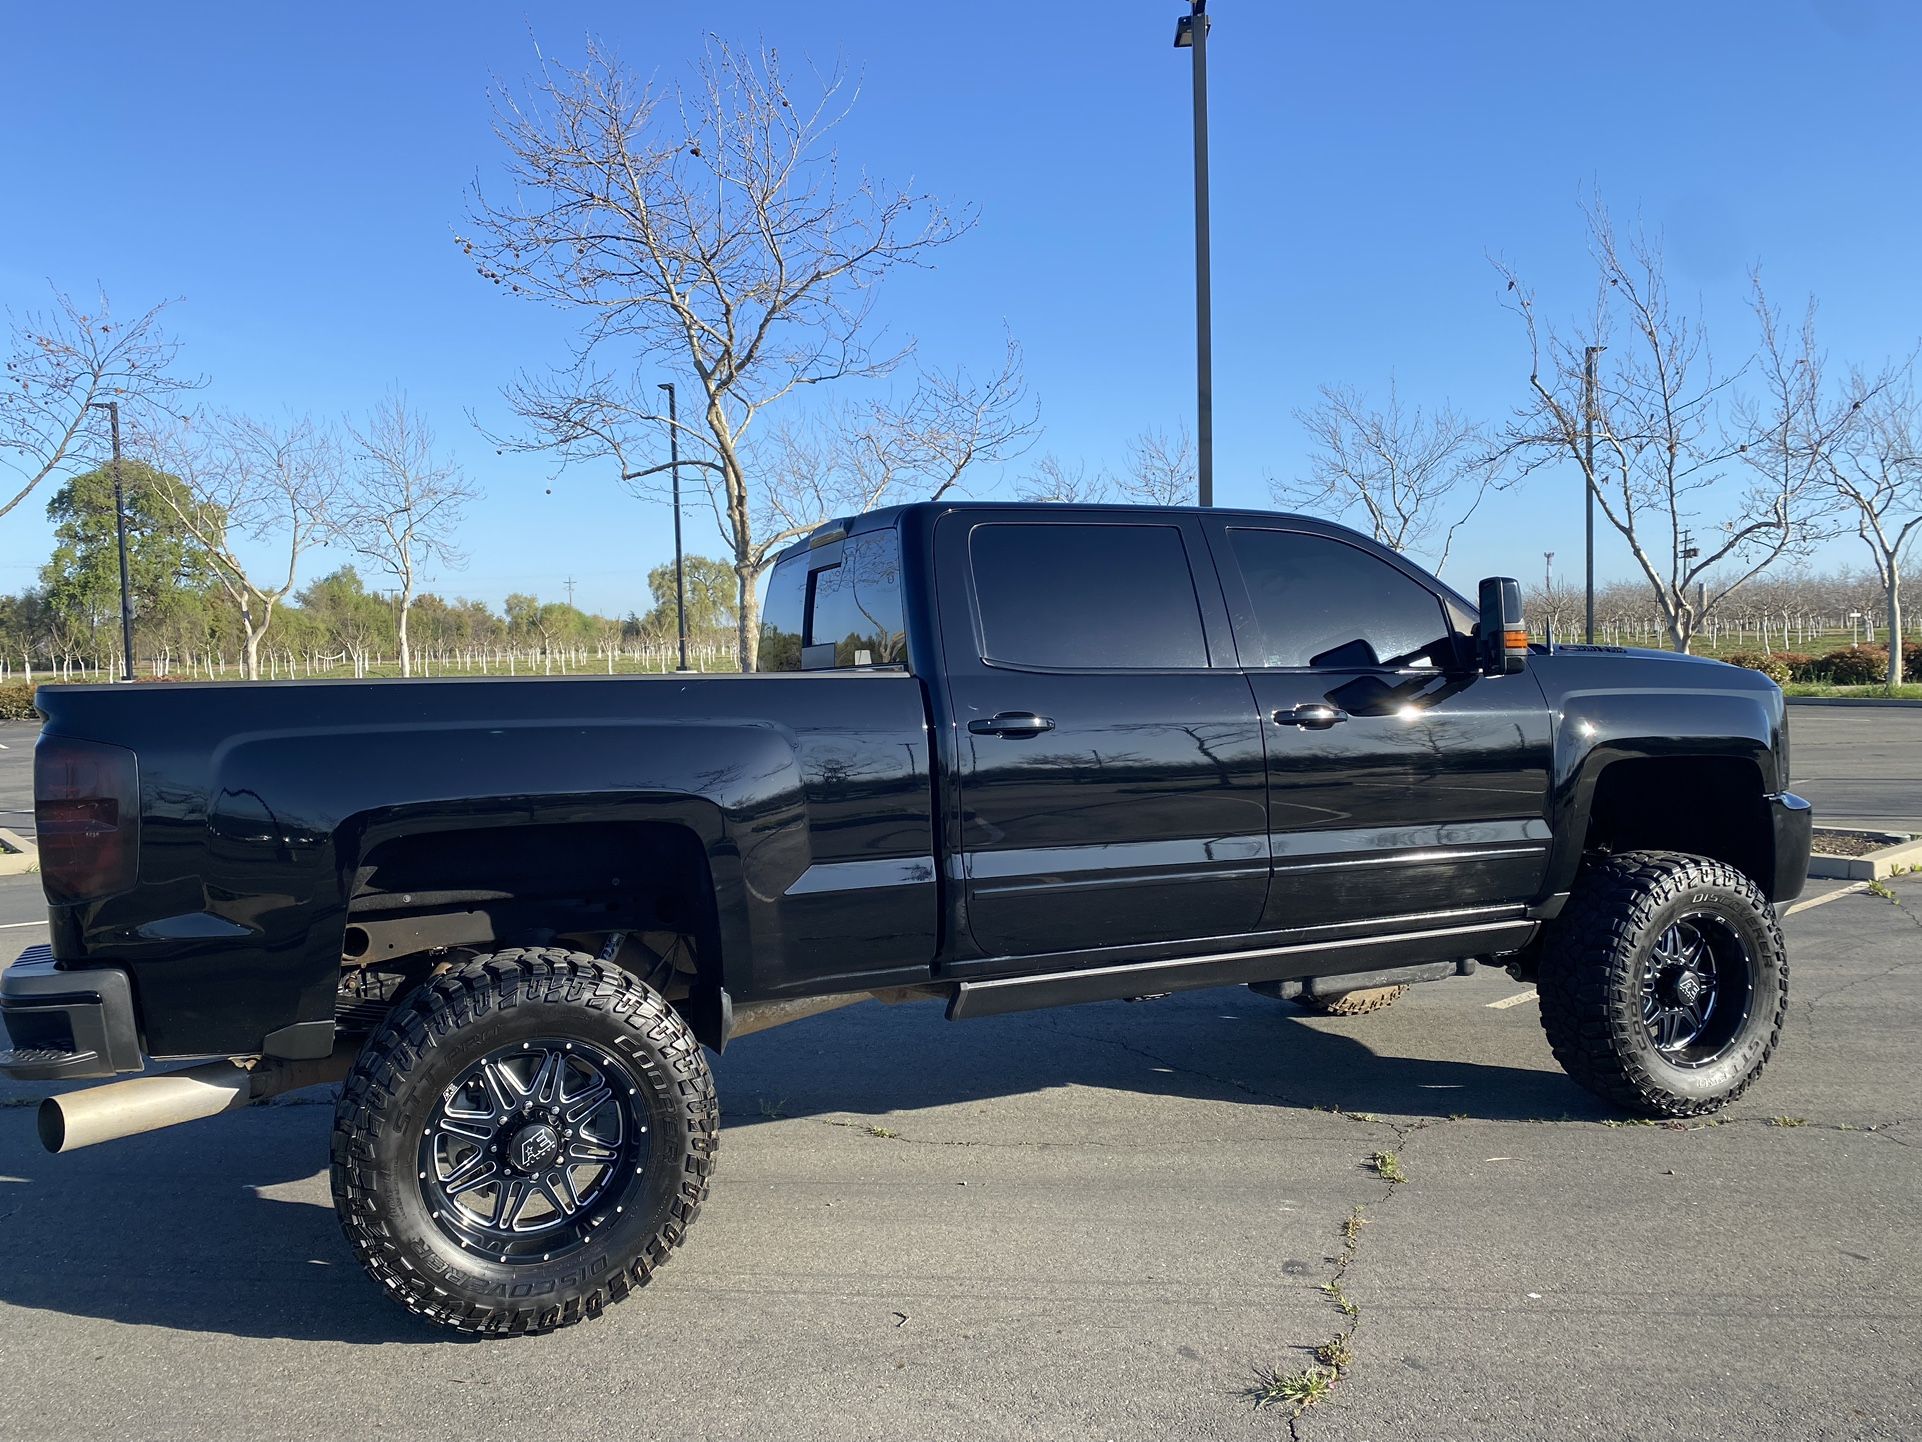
{"x": 1313, "y": 715}
{"x": 1012, "y": 723}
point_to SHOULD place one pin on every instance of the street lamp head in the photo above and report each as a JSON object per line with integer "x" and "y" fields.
{"x": 1185, "y": 27}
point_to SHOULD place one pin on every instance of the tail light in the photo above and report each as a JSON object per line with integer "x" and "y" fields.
{"x": 86, "y": 809}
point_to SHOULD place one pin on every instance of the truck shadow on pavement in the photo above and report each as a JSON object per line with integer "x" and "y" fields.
{"x": 225, "y": 1227}
{"x": 1227, "y": 1045}
{"x": 219, "y": 1226}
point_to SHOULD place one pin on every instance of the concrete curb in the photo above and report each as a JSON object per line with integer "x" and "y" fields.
{"x": 17, "y": 854}
{"x": 1873, "y": 867}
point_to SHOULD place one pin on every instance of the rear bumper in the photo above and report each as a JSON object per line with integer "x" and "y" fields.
{"x": 66, "y": 1025}
{"x": 1794, "y": 823}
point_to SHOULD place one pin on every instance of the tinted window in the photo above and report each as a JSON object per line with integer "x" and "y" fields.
{"x": 856, "y": 606}
{"x": 1070, "y": 596}
{"x": 1321, "y": 602}
{"x": 782, "y": 614}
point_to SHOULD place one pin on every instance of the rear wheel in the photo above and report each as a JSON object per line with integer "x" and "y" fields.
{"x": 523, "y": 1141}
{"x": 1354, "y": 1003}
{"x": 1664, "y": 983}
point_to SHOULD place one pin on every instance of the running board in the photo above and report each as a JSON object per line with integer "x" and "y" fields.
{"x": 1235, "y": 968}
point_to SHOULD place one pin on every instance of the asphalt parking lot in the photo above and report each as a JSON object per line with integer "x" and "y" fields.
{"x": 1093, "y": 1222}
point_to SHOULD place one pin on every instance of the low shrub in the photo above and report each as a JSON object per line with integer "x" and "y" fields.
{"x": 16, "y": 701}
{"x": 1854, "y": 666}
{"x": 1802, "y": 666}
{"x": 1773, "y": 667}
{"x": 1911, "y": 656}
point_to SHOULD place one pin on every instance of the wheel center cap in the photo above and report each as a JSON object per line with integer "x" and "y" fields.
{"x": 1687, "y": 988}
{"x": 533, "y": 1147}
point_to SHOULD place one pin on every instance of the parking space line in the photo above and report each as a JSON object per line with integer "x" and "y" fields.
{"x": 1516, "y": 1000}
{"x": 16, "y": 925}
{"x": 1827, "y": 896}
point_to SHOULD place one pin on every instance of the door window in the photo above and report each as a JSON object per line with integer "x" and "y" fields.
{"x": 1322, "y": 603}
{"x": 1067, "y": 597}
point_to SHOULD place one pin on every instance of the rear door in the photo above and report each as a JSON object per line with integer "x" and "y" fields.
{"x": 1406, "y": 789}
{"x": 1111, "y": 778}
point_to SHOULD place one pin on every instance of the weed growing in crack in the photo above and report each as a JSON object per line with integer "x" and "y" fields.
{"x": 887, "y": 1132}
{"x": 1788, "y": 1121}
{"x": 1351, "y": 1226}
{"x": 1877, "y": 888}
{"x": 1336, "y": 1353}
{"x": 1387, "y": 1166}
{"x": 1301, "y": 1389}
{"x": 1343, "y": 1303}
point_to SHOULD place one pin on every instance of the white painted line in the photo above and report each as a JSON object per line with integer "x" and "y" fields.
{"x": 16, "y": 925}
{"x": 1516, "y": 1000}
{"x": 1826, "y": 897}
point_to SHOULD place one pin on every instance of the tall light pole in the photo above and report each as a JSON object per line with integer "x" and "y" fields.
{"x": 1191, "y": 33}
{"x": 1588, "y": 474}
{"x": 680, "y": 565}
{"x": 112, "y": 408}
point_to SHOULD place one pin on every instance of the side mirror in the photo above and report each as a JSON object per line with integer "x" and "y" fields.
{"x": 1502, "y": 637}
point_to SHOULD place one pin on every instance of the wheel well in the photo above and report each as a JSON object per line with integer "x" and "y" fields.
{"x": 1705, "y": 805}
{"x": 419, "y": 895}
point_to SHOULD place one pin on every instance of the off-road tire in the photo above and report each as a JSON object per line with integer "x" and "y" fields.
{"x": 1354, "y": 1003}
{"x": 429, "y": 1038}
{"x": 1591, "y": 980}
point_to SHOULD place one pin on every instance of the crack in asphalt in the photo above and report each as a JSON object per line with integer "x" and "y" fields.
{"x": 1811, "y": 1000}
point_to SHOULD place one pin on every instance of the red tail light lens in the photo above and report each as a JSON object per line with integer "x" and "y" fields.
{"x": 86, "y": 809}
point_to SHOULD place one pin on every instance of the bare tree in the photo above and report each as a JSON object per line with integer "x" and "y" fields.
{"x": 1066, "y": 483}
{"x": 850, "y": 457}
{"x": 1664, "y": 449}
{"x": 1160, "y": 469}
{"x": 402, "y": 503}
{"x": 710, "y": 230}
{"x": 1553, "y": 608}
{"x": 1416, "y": 478}
{"x": 1875, "y": 469}
{"x": 244, "y": 479}
{"x": 59, "y": 362}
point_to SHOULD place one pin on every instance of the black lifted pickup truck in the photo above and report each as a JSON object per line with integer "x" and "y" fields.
{"x": 1007, "y": 756}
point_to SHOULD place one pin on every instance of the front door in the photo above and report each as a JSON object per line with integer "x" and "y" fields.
{"x": 1406, "y": 790}
{"x": 1111, "y": 773}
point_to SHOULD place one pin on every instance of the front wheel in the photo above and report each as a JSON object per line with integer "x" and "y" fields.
{"x": 522, "y": 1142}
{"x": 1664, "y": 982}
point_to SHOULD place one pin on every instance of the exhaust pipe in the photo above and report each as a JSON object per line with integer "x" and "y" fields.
{"x": 148, "y": 1103}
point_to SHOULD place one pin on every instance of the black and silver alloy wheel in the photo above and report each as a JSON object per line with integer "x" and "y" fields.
{"x": 528, "y": 1149}
{"x": 1664, "y": 982}
{"x": 523, "y": 1141}
{"x": 1696, "y": 989}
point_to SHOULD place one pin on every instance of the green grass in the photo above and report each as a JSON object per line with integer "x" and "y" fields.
{"x": 1904, "y": 692}
{"x": 1387, "y": 1166}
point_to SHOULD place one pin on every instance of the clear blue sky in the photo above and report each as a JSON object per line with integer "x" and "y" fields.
{"x": 295, "y": 175}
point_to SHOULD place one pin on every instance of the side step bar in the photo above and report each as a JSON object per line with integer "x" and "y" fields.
{"x": 1324, "y": 960}
{"x": 1327, "y": 988}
